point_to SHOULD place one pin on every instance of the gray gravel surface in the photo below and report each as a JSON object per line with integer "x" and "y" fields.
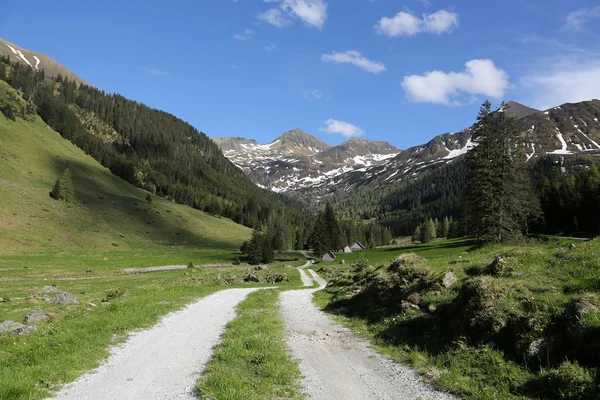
{"x": 165, "y": 361}
{"x": 338, "y": 365}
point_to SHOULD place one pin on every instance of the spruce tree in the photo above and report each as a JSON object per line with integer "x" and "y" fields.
{"x": 255, "y": 248}
{"x": 267, "y": 254}
{"x": 417, "y": 235}
{"x": 63, "y": 187}
{"x": 428, "y": 231}
{"x": 499, "y": 200}
{"x": 333, "y": 231}
{"x": 445, "y": 227}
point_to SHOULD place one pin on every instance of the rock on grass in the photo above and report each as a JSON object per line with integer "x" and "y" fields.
{"x": 15, "y": 328}
{"x": 35, "y": 317}
{"x": 64, "y": 298}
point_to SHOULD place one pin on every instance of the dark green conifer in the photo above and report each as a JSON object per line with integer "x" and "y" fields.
{"x": 63, "y": 187}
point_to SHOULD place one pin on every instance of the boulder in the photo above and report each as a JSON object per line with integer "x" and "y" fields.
{"x": 539, "y": 348}
{"x": 50, "y": 289}
{"x": 64, "y": 298}
{"x": 35, "y": 317}
{"x": 251, "y": 278}
{"x": 572, "y": 246}
{"x": 449, "y": 279}
{"x": 260, "y": 268}
{"x": 15, "y": 329}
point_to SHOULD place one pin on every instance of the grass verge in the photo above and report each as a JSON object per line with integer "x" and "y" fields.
{"x": 499, "y": 322}
{"x": 75, "y": 338}
{"x": 253, "y": 362}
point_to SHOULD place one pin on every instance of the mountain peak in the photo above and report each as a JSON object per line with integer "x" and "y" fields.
{"x": 519, "y": 110}
{"x": 299, "y": 138}
{"x": 37, "y": 61}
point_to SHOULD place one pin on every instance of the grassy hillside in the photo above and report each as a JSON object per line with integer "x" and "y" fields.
{"x": 108, "y": 213}
{"x": 498, "y": 322}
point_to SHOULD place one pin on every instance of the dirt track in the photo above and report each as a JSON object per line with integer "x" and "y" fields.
{"x": 338, "y": 365}
{"x": 165, "y": 361}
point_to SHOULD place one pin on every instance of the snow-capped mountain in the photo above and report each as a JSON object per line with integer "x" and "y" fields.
{"x": 297, "y": 160}
{"x": 301, "y": 164}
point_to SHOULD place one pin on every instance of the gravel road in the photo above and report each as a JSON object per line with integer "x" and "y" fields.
{"x": 165, "y": 361}
{"x": 338, "y": 365}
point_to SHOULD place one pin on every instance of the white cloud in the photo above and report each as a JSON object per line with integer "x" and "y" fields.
{"x": 406, "y": 24}
{"x": 247, "y": 34}
{"x": 568, "y": 81}
{"x": 312, "y": 12}
{"x": 345, "y": 129}
{"x": 271, "y": 47}
{"x": 314, "y": 94}
{"x": 355, "y": 58}
{"x": 481, "y": 77}
{"x": 275, "y": 17}
{"x": 576, "y": 19}
{"x": 155, "y": 71}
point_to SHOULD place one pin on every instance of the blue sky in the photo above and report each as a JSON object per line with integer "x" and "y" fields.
{"x": 396, "y": 70}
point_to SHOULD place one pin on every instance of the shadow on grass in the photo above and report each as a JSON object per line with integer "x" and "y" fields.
{"x": 123, "y": 207}
{"x": 422, "y": 332}
{"x": 419, "y": 248}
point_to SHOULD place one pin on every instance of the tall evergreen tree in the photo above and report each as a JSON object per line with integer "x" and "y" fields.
{"x": 333, "y": 231}
{"x": 445, "y": 228}
{"x": 428, "y": 231}
{"x": 499, "y": 200}
{"x": 417, "y": 235}
{"x": 63, "y": 187}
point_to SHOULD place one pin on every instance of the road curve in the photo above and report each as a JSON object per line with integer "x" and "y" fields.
{"x": 336, "y": 365}
{"x": 165, "y": 361}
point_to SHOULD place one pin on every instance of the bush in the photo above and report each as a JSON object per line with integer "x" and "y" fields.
{"x": 568, "y": 382}
{"x": 8, "y": 112}
{"x": 148, "y": 198}
{"x": 190, "y": 265}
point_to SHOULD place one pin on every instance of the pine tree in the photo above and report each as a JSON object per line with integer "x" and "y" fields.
{"x": 267, "y": 254}
{"x": 428, "y": 231}
{"x": 63, "y": 187}
{"x": 333, "y": 231}
{"x": 498, "y": 197}
{"x": 254, "y": 248}
{"x": 417, "y": 235}
{"x": 445, "y": 227}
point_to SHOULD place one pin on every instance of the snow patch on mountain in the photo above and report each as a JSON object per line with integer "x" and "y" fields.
{"x": 456, "y": 153}
{"x": 563, "y": 150}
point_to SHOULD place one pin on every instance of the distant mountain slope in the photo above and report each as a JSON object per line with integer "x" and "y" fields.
{"x": 339, "y": 170}
{"x": 37, "y": 61}
{"x": 296, "y": 159}
{"x": 108, "y": 213}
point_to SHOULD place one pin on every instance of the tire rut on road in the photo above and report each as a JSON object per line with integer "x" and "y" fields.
{"x": 338, "y": 365}
{"x": 165, "y": 361}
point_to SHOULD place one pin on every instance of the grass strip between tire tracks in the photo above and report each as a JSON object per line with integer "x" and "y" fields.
{"x": 252, "y": 361}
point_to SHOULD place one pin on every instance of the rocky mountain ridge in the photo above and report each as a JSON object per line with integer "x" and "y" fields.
{"x": 314, "y": 173}
{"x": 296, "y": 159}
